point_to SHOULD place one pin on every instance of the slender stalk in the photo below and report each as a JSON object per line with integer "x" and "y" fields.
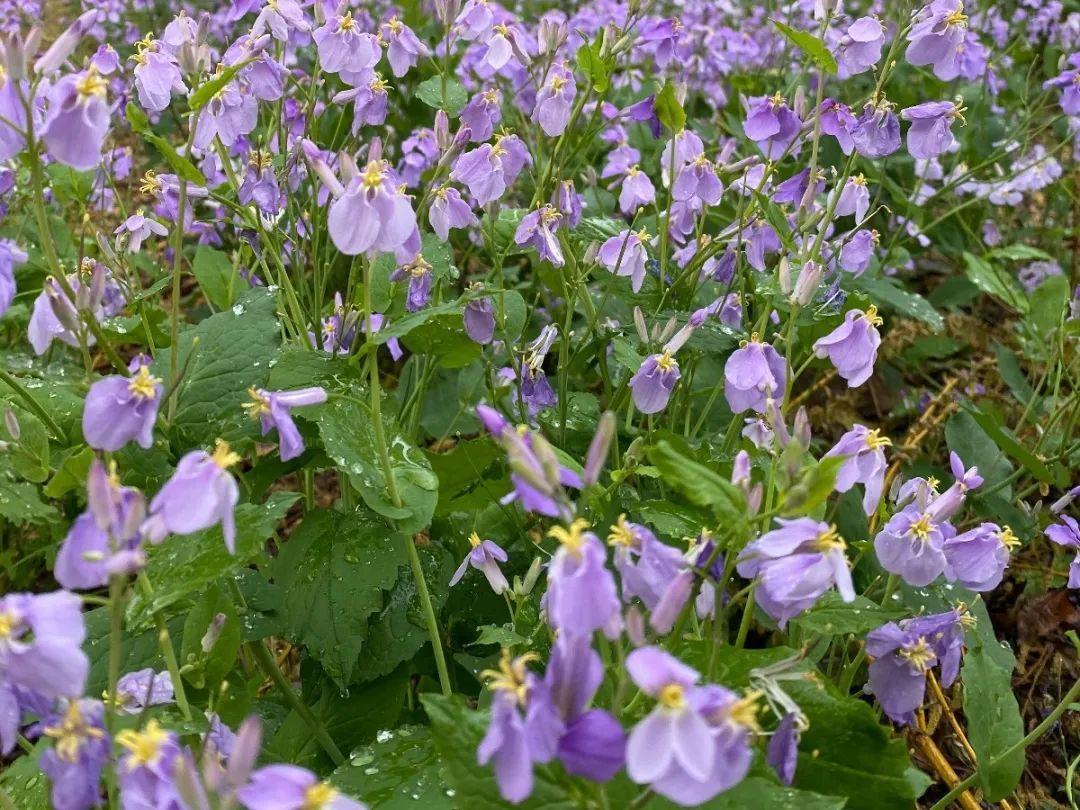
{"x": 178, "y": 257}
{"x": 268, "y": 665}
{"x": 167, "y": 651}
{"x": 32, "y": 404}
{"x": 392, "y": 490}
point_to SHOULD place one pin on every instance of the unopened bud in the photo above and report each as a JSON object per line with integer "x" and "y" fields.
{"x": 531, "y": 576}
{"x": 639, "y": 325}
{"x": 783, "y": 275}
{"x": 65, "y": 44}
{"x": 801, "y": 428}
{"x": 635, "y": 626}
{"x": 599, "y": 447}
{"x": 442, "y": 130}
{"x": 213, "y": 632}
{"x": 806, "y": 285}
{"x": 11, "y": 422}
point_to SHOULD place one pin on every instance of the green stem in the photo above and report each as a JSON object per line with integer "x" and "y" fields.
{"x": 178, "y": 256}
{"x": 116, "y": 632}
{"x": 1035, "y": 734}
{"x": 167, "y": 651}
{"x": 392, "y": 490}
{"x": 269, "y": 667}
{"x": 32, "y": 404}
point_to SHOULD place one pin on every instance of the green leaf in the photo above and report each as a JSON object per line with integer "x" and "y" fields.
{"x": 183, "y": 167}
{"x": 300, "y": 368}
{"x": 1019, "y": 253}
{"x": 810, "y": 45}
{"x": 443, "y": 338}
{"x": 501, "y": 634}
{"x": 1008, "y": 366}
{"x": 21, "y": 504}
{"x": 815, "y": 485}
{"x": 1004, "y": 439}
{"x": 211, "y": 87}
{"x": 182, "y": 567}
{"x": 595, "y": 67}
{"x": 214, "y": 271}
{"x": 399, "y": 771}
{"x": 71, "y": 474}
{"x": 1048, "y": 304}
{"x": 224, "y": 355}
{"x": 332, "y": 573}
{"x": 431, "y": 93}
{"x": 668, "y": 109}
{"x": 29, "y": 455}
{"x": 205, "y": 669}
{"x": 887, "y": 293}
{"x": 23, "y": 783}
{"x": 457, "y": 730}
{"x": 761, "y": 794}
{"x": 349, "y": 439}
{"x": 993, "y": 716}
{"x": 469, "y": 475}
{"x": 832, "y": 616}
{"x": 136, "y": 117}
{"x": 698, "y": 484}
{"x": 967, "y": 439}
{"x": 994, "y": 281}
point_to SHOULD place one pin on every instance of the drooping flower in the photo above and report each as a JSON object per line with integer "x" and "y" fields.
{"x": 122, "y": 409}
{"x": 54, "y": 316}
{"x": 78, "y": 755}
{"x": 137, "y": 690}
{"x": 479, "y": 320}
{"x": 796, "y": 563}
{"x": 863, "y": 451}
{"x": 876, "y": 132}
{"x": 290, "y": 787}
{"x": 654, "y": 381}
{"x": 695, "y": 742}
{"x": 554, "y": 99}
{"x": 754, "y": 373}
{"x": 624, "y": 255}
{"x": 930, "y": 134}
{"x": 772, "y": 125}
{"x": 937, "y": 36}
{"x": 485, "y": 557}
{"x": 646, "y": 566}
{"x": 1068, "y": 82}
{"x": 200, "y": 494}
{"x": 279, "y": 18}
{"x": 1067, "y": 534}
{"x": 537, "y": 229}
{"x": 581, "y": 595}
{"x": 370, "y": 100}
{"x": 858, "y": 250}
{"x": 977, "y": 559}
{"x": 783, "y": 751}
{"x": 448, "y": 211}
{"x": 403, "y": 47}
{"x": 859, "y": 48}
{"x": 273, "y": 409}
{"x": 138, "y": 227}
{"x": 853, "y": 199}
{"x": 482, "y": 114}
{"x": 418, "y": 274}
{"x": 852, "y": 346}
{"x": 373, "y": 215}
{"x": 259, "y": 186}
{"x": 637, "y": 190}
{"x": 489, "y": 169}
{"x": 77, "y": 119}
{"x": 911, "y": 545}
{"x": 837, "y": 121}
{"x": 41, "y": 638}
{"x": 948, "y": 503}
{"x": 105, "y": 539}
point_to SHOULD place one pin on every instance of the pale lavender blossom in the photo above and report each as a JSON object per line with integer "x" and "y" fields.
{"x": 77, "y": 119}
{"x": 624, "y": 255}
{"x": 537, "y": 230}
{"x": 753, "y": 374}
{"x": 859, "y": 48}
{"x": 403, "y": 47}
{"x": 273, "y": 409}
{"x": 554, "y": 100}
{"x": 41, "y": 648}
{"x": 876, "y": 132}
{"x": 930, "y": 134}
{"x": 772, "y": 125}
{"x": 863, "y": 451}
{"x": 852, "y": 346}
{"x": 418, "y": 274}
{"x": 581, "y": 595}
{"x": 372, "y": 215}
{"x": 448, "y": 211}
{"x": 78, "y": 755}
{"x": 290, "y": 787}
{"x": 343, "y": 47}
{"x": 911, "y": 545}
{"x": 489, "y": 169}
{"x": 157, "y": 75}
{"x": 479, "y": 320}
{"x": 138, "y": 227}
{"x": 937, "y": 36}
{"x": 854, "y": 199}
{"x": 1067, "y": 534}
{"x": 485, "y": 557}
{"x": 977, "y": 559}
{"x": 137, "y": 690}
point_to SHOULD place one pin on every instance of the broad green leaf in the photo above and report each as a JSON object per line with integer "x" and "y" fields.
{"x": 300, "y": 368}
{"x": 206, "y": 668}
{"x": 1049, "y": 302}
{"x": 833, "y": 616}
{"x": 815, "y": 485}
{"x": 214, "y": 271}
{"x": 965, "y": 437}
{"x": 183, "y": 566}
{"x": 668, "y": 109}
{"x": 453, "y": 100}
{"x": 399, "y": 771}
{"x": 993, "y": 716}
{"x": 224, "y": 356}
{"x": 29, "y": 454}
{"x": 138, "y": 650}
{"x": 20, "y": 503}
{"x": 810, "y": 45}
{"x": 1004, "y": 439}
{"x": 995, "y": 281}
{"x": 183, "y": 167}
{"x": 349, "y": 439}
{"x": 502, "y": 635}
{"x": 1019, "y": 253}
{"x": 698, "y": 484}
{"x": 595, "y": 67}
{"x": 443, "y": 338}
{"x": 72, "y": 472}
{"x": 469, "y": 475}
{"x": 887, "y": 293}
{"x": 23, "y": 783}
{"x": 1008, "y": 366}
{"x": 457, "y": 731}
{"x": 332, "y": 572}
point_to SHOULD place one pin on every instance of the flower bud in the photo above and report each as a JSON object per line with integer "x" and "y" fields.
{"x": 65, "y": 44}
{"x": 801, "y": 429}
{"x": 599, "y": 447}
{"x": 442, "y": 130}
{"x": 531, "y": 576}
{"x": 783, "y": 275}
{"x": 213, "y": 632}
{"x": 639, "y": 325}
{"x": 550, "y": 35}
{"x": 806, "y": 284}
{"x": 672, "y": 602}
{"x": 11, "y": 422}
{"x": 635, "y": 626}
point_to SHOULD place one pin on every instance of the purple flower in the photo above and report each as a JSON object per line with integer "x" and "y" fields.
{"x": 698, "y": 180}
{"x": 876, "y": 132}
{"x": 783, "y": 751}
{"x": 122, "y": 409}
{"x": 852, "y": 346}
{"x": 482, "y": 114}
{"x": 79, "y": 753}
{"x": 290, "y": 787}
{"x": 624, "y": 255}
{"x": 137, "y": 690}
{"x": 911, "y": 545}
{"x": 279, "y": 17}
{"x": 859, "y": 48}
{"x": 646, "y": 566}
{"x": 858, "y": 250}
{"x": 524, "y": 726}
{"x": 485, "y": 556}
{"x": 369, "y": 99}
{"x": 654, "y": 381}
{"x": 490, "y": 168}
{"x": 105, "y": 539}
{"x": 537, "y": 229}
{"x": 403, "y": 47}
{"x": 948, "y": 503}
{"x": 854, "y": 199}
{"x": 373, "y": 215}
{"x": 863, "y": 451}
{"x": 418, "y": 275}
{"x": 637, "y": 190}
{"x": 568, "y": 202}
{"x": 200, "y": 494}
{"x": 753, "y": 374}
{"x": 1069, "y": 84}
{"x": 273, "y": 409}
{"x": 695, "y": 742}
{"x": 581, "y": 595}
{"x": 259, "y": 185}
{"x": 977, "y": 559}
{"x": 146, "y": 770}
{"x": 139, "y": 226}
{"x": 77, "y": 119}
{"x": 157, "y": 75}
{"x": 479, "y": 320}
{"x": 475, "y": 20}
{"x": 836, "y": 120}
{"x": 448, "y": 211}
{"x": 772, "y": 125}
{"x": 937, "y": 36}
{"x": 930, "y": 134}
{"x": 342, "y": 47}
{"x": 11, "y": 256}
{"x": 41, "y": 638}
{"x": 230, "y": 115}
{"x": 796, "y": 563}
{"x": 554, "y": 100}
{"x": 1067, "y": 534}
{"x": 898, "y": 670}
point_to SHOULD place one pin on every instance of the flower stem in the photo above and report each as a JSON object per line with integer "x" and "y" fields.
{"x": 395, "y": 497}
{"x": 167, "y": 652}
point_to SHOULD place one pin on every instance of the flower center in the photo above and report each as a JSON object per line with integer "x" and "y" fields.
{"x": 144, "y": 746}
{"x": 71, "y": 733}
{"x": 474, "y": 540}
{"x": 829, "y": 539}
{"x": 7, "y": 624}
{"x": 957, "y": 17}
{"x": 572, "y": 538}
{"x": 373, "y": 175}
{"x": 874, "y": 439}
{"x": 621, "y": 534}
{"x": 872, "y": 316}
{"x": 91, "y": 85}
{"x": 223, "y": 456}
{"x": 665, "y": 362}
{"x": 672, "y": 696}
{"x": 318, "y": 796}
{"x": 745, "y": 711}
{"x": 346, "y": 23}
{"x": 511, "y": 675}
{"x": 1008, "y": 539}
{"x": 919, "y": 655}
{"x": 921, "y": 528}
{"x": 142, "y": 384}
{"x": 777, "y": 99}
{"x": 150, "y": 183}
{"x": 259, "y": 405}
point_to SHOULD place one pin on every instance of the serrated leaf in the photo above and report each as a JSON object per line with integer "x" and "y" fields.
{"x": 21, "y": 504}
{"x": 71, "y": 473}
{"x": 332, "y": 573}
{"x": 431, "y": 93}
{"x": 399, "y": 770}
{"x": 810, "y": 45}
{"x": 596, "y": 68}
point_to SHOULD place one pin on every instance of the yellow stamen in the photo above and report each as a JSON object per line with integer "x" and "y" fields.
{"x": 7, "y": 624}
{"x": 346, "y": 23}
{"x": 373, "y": 175}
{"x": 874, "y": 439}
{"x": 872, "y": 316}
{"x": 829, "y": 539}
{"x": 150, "y": 183}
{"x": 142, "y": 384}
{"x": 1008, "y": 539}
{"x": 318, "y": 796}
{"x": 672, "y": 696}
{"x": 474, "y": 540}
{"x": 665, "y": 362}
{"x": 223, "y": 456}
{"x": 259, "y": 405}
{"x": 511, "y": 675}
{"x": 745, "y": 711}
{"x": 91, "y": 84}
{"x": 621, "y": 534}
{"x": 572, "y": 538}
{"x": 921, "y": 528}
{"x": 71, "y": 733}
{"x": 144, "y": 746}
{"x": 919, "y": 655}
